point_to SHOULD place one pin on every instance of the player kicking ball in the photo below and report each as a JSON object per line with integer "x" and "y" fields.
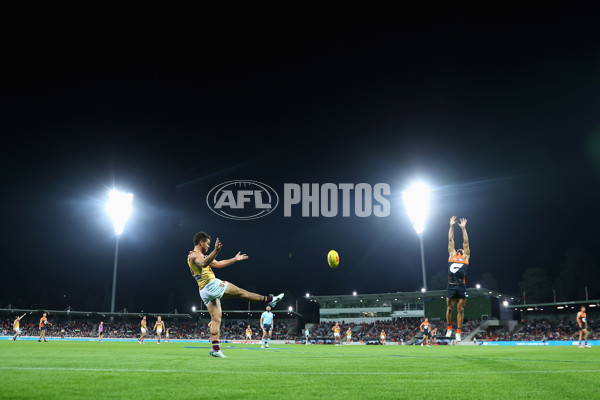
{"x": 212, "y": 289}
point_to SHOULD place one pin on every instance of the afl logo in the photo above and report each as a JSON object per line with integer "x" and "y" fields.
{"x": 242, "y": 199}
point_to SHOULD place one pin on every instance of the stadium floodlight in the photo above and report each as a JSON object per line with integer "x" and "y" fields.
{"x": 478, "y": 286}
{"x": 354, "y": 293}
{"x": 290, "y": 308}
{"x": 423, "y": 290}
{"x": 505, "y": 303}
{"x": 416, "y": 202}
{"x": 118, "y": 207}
{"x": 307, "y": 295}
{"x": 193, "y": 308}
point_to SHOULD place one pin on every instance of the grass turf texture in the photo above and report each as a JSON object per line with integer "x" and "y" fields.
{"x": 127, "y": 370}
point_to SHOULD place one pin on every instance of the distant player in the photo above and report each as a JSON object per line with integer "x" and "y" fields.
{"x": 248, "y": 334}
{"x": 582, "y": 322}
{"x": 337, "y": 336}
{"x": 43, "y": 327}
{"x": 167, "y": 334}
{"x": 100, "y": 331}
{"x": 213, "y": 289}
{"x": 17, "y": 327}
{"x": 306, "y": 335}
{"x": 266, "y": 324}
{"x": 457, "y": 271}
{"x": 144, "y": 330}
{"x": 382, "y": 336}
{"x": 159, "y": 326}
{"x": 433, "y": 337}
{"x": 348, "y": 336}
{"x": 424, "y": 327}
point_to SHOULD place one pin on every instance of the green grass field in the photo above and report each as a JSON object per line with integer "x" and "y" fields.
{"x": 128, "y": 370}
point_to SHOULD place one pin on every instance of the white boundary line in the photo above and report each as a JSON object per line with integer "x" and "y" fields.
{"x": 574, "y": 371}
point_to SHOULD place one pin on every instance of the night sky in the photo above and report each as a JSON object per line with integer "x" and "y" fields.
{"x": 499, "y": 115}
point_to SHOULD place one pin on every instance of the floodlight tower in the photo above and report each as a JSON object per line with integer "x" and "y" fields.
{"x": 416, "y": 201}
{"x": 119, "y": 209}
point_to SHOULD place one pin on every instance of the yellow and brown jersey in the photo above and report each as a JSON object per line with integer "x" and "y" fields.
{"x": 201, "y": 275}
{"x": 336, "y": 329}
{"x": 160, "y": 324}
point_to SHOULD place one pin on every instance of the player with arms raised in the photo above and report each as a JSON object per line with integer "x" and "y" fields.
{"x": 583, "y": 327}
{"x": 213, "y": 289}
{"x": 17, "y": 326}
{"x": 457, "y": 272}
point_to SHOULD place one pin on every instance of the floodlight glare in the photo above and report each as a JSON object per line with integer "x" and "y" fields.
{"x": 505, "y": 303}
{"x": 290, "y": 308}
{"x": 119, "y": 208}
{"x": 194, "y": 308}
{"x": 478, "y": 286}
{"x": 354, "y": 293}
{"x": 416, "y": 201}
{"x": 307, "y": 295}
{"x": 423, "y": 290}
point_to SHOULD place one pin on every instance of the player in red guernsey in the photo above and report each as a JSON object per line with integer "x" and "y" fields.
{"x": 457, "y": 271}
{"x": 582, "y": 321}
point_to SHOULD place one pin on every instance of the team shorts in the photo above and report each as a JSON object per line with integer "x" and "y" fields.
{"x": 17, "y": 330}
{"x": 456, "y": 292}
{"x": 267, "y": 327}
{"x": 159, "y": 331}
{"x": 143, "y": 330}
{"x": 335, "y": 334}
{"x": 426, "y": 332}
{"x": 213, "y": 290}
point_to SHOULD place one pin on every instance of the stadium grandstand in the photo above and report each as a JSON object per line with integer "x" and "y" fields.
{"x": 71, "y": 323}
{"x": 490, "y": 316}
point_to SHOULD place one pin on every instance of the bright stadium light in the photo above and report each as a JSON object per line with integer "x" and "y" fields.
{"x": 354, "y": 293}
{"x": 290, "y": 308}
{"x": 478, "y": 286}
{"x": 505, "y": 303}
{"x": 423, "y": 290}
{"x": 416, "y": 202}
{"x": 118, "y": 207}
{"x": 307, "y": 295}
{"x": 194, "y": 309}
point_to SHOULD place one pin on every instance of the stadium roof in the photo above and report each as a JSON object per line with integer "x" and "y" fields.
{"x": 127, "y": 314}
{"x": 409, "y": 296}
{"x": 558, "y": 305}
